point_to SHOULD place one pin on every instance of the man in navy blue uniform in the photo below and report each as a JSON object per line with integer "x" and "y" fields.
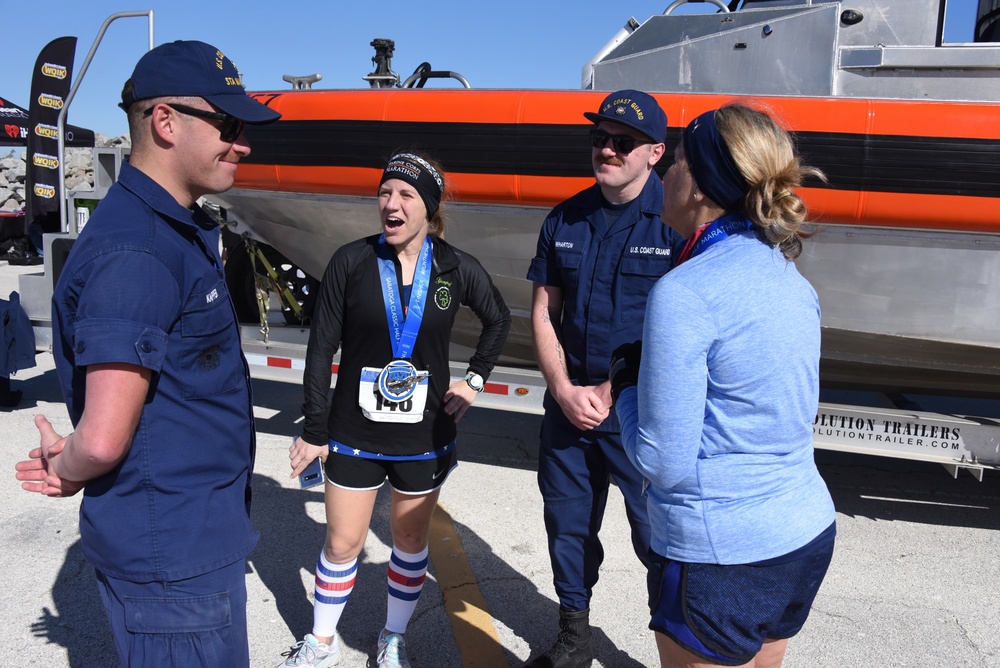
{"x": 599, "y": 253}
{"x": 148, "y": 354}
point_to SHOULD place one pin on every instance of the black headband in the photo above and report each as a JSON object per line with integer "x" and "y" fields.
{"x": 712, "y": 164}
{"x": 418, "y": 173}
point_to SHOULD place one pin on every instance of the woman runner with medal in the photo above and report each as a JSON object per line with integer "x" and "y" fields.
{"x": 389, "y": 301}
{"x": 718, "y": 416}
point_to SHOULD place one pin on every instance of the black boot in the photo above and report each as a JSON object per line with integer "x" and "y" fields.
{"x": 8, "y": 399}
{"x": 572, "y": 648}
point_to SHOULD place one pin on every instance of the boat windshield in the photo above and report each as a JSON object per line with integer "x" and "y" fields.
{"x": 970, "y": 21}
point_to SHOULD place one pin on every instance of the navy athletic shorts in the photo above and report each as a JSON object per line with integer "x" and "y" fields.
{"x": 723, "y": 613}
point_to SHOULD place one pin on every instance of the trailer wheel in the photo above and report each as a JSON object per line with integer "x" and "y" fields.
{"x": 241, "y": 283}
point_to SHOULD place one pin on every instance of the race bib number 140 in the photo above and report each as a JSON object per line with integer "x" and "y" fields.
{"x": 393, "y": 394}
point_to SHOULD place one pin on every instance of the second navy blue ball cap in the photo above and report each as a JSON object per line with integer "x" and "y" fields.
{"x": 196, "y": 69}
{"x": 635, "y": 109}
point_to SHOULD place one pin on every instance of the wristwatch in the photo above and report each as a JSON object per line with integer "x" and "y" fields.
{"x": 475, "y": 381}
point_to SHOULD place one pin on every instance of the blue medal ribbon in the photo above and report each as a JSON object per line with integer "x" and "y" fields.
{"x": 716, "y": 231}
{"x": 403, "y": 329}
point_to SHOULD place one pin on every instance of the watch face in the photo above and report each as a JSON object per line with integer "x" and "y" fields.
{"x": 475, "y": 381}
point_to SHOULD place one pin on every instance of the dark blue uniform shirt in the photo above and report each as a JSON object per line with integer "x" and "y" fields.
{"x": 605, "y": 275}
{"x": 144, "y": 285}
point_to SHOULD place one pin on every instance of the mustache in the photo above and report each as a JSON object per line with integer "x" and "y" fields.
{"x": 613, "y": 161}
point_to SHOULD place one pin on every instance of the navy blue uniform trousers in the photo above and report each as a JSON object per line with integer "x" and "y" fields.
{"x": 200, "y": 622}
{"x": 575, "y": 469}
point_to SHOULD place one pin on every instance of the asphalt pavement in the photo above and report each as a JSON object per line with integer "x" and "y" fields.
{"x": 913, "y": 579}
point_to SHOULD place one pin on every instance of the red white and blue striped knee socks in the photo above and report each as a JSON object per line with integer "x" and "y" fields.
{"x": 406, "y": 576}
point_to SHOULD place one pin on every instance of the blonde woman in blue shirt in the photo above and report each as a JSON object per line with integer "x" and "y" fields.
{"x": 718, "y": 415}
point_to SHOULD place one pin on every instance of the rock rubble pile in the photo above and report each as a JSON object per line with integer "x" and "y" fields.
{"x": 79, "y": 170}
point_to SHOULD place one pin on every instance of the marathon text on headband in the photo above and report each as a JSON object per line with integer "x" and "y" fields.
{"x": 418, "y": 173}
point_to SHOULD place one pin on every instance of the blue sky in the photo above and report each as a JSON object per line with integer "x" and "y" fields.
{"x": 511, "y": 44}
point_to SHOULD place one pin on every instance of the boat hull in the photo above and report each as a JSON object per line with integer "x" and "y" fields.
{"x": 902, "y": 309}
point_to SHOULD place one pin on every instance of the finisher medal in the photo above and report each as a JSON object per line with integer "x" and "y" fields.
{"x": 398, "y": 380}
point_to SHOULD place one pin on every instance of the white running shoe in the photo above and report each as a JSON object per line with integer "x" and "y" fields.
{"x": 311, "y": 653}
{"x": 391, "y": 651}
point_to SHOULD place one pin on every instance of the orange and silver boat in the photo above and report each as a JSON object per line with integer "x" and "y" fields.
{"x": 905, "y": 125}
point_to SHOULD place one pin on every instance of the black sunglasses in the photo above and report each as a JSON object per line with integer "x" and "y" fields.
{"x": 229, "y": 131}
{"x": 623, "y": 144}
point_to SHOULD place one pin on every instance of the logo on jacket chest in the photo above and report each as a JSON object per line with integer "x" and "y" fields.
{"x": 648, "y": 250}
{"x": 442, "y": 295}
{"x": 210, "y": 358}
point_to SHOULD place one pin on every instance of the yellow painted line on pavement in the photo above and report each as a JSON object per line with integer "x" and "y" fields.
{"x": 471, "y": 623}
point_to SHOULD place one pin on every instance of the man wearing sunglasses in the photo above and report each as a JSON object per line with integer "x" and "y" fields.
{"x": 148, "y": 354}
{"x": 599, "y": 253}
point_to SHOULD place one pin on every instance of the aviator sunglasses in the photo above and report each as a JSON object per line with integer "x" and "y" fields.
{"x": 623, "y": 144}
{"x": 230, "y": 129}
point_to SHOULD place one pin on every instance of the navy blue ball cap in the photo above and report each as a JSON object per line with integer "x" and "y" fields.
{"x": 196, "y": 69}
{"x": 638, "y": 110}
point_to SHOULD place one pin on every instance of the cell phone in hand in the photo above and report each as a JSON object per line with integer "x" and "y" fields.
{"x": 312, "y": 475}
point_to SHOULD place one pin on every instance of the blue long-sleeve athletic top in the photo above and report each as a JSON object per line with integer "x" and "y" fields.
{"x": 720, "y": 422}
